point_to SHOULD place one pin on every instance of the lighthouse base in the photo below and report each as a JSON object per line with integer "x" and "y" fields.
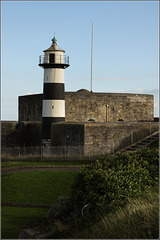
{"x": 46, "y": 125}
{"x": 46, "y": 143}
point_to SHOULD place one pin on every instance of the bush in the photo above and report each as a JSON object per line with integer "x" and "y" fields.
{"x": 116, "y": 178}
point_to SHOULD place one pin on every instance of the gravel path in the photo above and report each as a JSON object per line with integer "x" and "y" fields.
{"x": 29, "y": 169}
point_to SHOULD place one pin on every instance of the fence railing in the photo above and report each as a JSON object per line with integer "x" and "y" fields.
{"x": 60, "y": 59}
{"x": 42, "y": 151}
{"x": 63, "y": 152}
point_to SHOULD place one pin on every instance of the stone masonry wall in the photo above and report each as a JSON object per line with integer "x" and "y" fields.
{"x": 77, "y": 138}
{"x": 110, "y": 137}
{"x": 100, "y": 138}
{"x": 83, "y": 105}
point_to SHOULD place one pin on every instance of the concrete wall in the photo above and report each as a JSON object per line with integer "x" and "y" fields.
{"x": 75, "y": 138}
{"x": 7, "y": 128}
{"x": 83, "y": 105}
{"x": 110, "y": 137}
{"x": 30, "y": 107}
{"x": 24, "y": 134}
{"x": 101, "y": 138}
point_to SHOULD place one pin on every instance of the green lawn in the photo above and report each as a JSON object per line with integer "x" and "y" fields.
{"x": 36, "y": 187}
{"x": 38, "y": 163}
{"x": 13, "y": 218}
{"x": 30, "y": 187}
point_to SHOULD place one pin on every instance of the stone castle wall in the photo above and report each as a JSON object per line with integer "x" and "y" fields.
{"x": 100, "y": 138}
{"x": 74, "y": 138}
{"x": 15, "y": 134}
{"x": 83, "y": 105}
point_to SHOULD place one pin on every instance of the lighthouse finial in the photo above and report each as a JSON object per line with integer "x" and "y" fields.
{"x": 54, "y": 40}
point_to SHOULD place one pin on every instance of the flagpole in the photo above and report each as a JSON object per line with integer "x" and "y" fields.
{"x": 91, "y": 57}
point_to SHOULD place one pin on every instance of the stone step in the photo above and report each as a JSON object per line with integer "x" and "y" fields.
{"x": 154, "y": 137}
{"x": 143, "y": 143}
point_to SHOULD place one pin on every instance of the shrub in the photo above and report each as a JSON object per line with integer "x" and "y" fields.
{"x": 150, "y": 157}
{"x": 116, "y": 178}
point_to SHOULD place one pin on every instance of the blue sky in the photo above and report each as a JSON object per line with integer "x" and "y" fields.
{"x": 125, "y": 47}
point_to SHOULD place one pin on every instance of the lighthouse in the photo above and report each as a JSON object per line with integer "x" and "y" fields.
{"x": 53, "y": 108}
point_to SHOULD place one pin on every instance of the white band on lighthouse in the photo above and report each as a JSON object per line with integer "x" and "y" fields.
{"x": 53, "y": 108}
{"x": 53, "y": 75}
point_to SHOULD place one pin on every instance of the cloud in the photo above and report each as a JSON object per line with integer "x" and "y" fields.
{"x": 29, "y": 93}
{"x": 138, "y": 91}
{"x": 147, "y": 75}
{"x": 112, "y": 79}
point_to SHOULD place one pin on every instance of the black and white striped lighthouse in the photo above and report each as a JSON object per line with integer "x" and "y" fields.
{"x": 53, "y": 108}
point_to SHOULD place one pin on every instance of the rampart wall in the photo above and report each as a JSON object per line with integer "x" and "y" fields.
{"x": 100, "y": 138}
{"x": 83, "y": 105}
{"x": 70, "y": 138}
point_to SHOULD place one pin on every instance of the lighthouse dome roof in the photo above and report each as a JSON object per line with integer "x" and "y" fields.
{"x": 54, "y": 46}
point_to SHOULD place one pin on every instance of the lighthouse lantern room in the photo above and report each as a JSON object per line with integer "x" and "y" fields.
{"x": 53, "y": 108}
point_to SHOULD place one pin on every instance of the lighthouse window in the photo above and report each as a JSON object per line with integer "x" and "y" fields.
{"x": 52, "y": 58}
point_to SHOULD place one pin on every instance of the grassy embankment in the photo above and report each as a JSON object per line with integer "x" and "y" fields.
{"x": 137, "y": 219}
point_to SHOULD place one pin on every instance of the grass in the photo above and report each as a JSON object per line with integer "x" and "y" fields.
{"x": 36, "y": 187}
{"x": 37, "y": 158}
{"x": 138, "y": 219}
{"x": 44, "y": 164}
{"x": 13, "y": 218}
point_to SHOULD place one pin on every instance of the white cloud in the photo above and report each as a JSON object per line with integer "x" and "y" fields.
{"x": 112, "y": 79}
{"x": 138, "y": 90}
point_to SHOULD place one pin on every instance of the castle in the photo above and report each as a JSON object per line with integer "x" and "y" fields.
{"x": 85, "y": 122}
{"x": 83, "y": 106}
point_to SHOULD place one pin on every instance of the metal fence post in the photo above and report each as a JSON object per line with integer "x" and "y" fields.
{"x": 113, "y": 146}
{"x": 131, "y": 137}
{"x": 150, "y": 128}
{"x": 41, "y": 153}
{"x": 19, "y": 153}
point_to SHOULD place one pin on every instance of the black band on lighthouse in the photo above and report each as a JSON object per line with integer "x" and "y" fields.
{"x": 53, "y": 91}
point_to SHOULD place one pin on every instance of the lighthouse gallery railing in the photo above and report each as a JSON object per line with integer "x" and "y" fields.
{"x": 57, "y": 59}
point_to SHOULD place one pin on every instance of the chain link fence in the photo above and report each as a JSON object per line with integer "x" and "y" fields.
{"x": 40, "y": 151}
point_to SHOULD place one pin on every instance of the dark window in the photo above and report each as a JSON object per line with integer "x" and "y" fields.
{"x": 52, "y": 58}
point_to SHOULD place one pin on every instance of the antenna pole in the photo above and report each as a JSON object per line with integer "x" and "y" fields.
{"x": 91, "y": 56}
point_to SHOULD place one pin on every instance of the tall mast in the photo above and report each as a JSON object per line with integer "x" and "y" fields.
{"x": 91, "y": 57}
